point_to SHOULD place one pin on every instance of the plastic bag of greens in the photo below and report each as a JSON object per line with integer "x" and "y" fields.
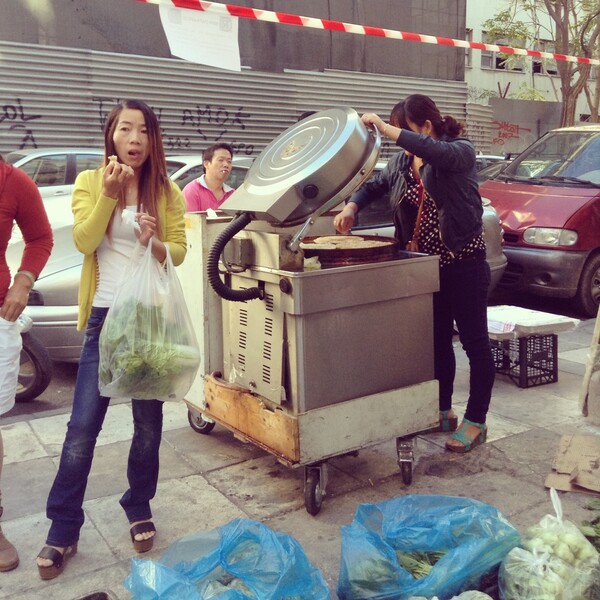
{"x": 556, "y": 559}
{"x": 421, "y": 546}
{"x": 148, "y": 349}
{"x": 243, "y": 559}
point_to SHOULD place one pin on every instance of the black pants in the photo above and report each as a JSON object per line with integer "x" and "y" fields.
{"x": 463, "y": 299}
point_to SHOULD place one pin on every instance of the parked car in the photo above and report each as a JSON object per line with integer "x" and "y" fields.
{"x": 53, "y": 300}
{"x": 54, "y": 170}
{"x": 548, "y": 199}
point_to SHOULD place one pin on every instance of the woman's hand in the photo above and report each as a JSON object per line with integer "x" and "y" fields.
{"x": 375, "y": 120}
{"x": 385, "y": 129}
{"x": 115, "y": 177}
{"x": 147, "y": 228}
{"x": 344, "y": 220}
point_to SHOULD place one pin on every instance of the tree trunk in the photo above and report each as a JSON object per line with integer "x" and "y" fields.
{"x": 569, "y": 107}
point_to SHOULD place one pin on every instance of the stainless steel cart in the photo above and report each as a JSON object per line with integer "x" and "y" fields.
{"x": 310, "y": 364}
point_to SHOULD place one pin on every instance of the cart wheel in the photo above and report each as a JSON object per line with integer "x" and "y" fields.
{"x": 198, "y": 424}
{"x": 406, "y": 472}
{"x": 313, "y": 498}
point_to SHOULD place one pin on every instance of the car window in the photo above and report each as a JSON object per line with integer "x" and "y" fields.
{"x": 585, "y": 163}
{"x": 47, "y": 171}
{"x": 558, "y": 153}
{"x": 86, "y": 162}
{"x": 237, "y": 176}
{"x": 187, "y": 176}
{"x": 491, "y": 171}
{"x": 378, "y": 212}
{"x": 173, "y": 165}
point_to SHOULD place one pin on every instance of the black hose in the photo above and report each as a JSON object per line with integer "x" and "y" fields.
{"x": 212, "y": 263}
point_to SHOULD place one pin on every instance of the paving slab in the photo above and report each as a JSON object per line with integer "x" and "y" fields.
{"x": 208, "y": 480}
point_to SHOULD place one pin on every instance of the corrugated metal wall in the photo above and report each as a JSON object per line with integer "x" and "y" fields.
{"x": 130, "y": 27}
{"x": 480, "y": 126}
{"x": 54, "y": 96}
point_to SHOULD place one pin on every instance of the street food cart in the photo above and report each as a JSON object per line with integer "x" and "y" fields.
{"x": 306, "y": 363}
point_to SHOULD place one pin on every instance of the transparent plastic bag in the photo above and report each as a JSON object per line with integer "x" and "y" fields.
{"x": 148, "y": 349}
{"x": 241, "y": 560}
{"x": 473, "y": 536}
{"x": 556, "y": 561}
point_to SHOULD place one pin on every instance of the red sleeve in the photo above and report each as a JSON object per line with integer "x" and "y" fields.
{"x": 32, "y": 220}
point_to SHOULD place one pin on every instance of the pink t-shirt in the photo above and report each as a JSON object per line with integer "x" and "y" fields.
{"x": 199, "y": 197}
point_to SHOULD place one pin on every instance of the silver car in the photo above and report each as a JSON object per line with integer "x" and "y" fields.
{"x": 53, "y": 300}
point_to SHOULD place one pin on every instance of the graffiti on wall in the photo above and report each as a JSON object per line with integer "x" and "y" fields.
{"x": 211, "y": 123}
{"x": 505, "y": 131}
{"x": 224, "y": 121}
{"x": 15, "y": 117}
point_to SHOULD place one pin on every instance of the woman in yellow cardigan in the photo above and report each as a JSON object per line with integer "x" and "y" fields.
{"x": 134, "y": 177}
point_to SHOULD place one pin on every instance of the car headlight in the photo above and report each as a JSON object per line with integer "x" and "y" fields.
{"x": 550, "y": 236}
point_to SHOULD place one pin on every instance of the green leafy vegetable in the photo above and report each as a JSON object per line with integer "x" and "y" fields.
{"x": 418, "y": 564}
{"x": 141, "y": 354}
{"x": 369, "y": 575}
{"x": 591, "y": 529}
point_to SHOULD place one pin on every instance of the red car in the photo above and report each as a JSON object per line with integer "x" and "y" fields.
{"x": 548, "y": 199}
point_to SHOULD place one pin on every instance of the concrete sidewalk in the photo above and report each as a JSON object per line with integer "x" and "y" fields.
{"x": 207, "y": 480}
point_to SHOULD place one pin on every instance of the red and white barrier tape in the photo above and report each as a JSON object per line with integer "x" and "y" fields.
{"x": 289, "y": 19}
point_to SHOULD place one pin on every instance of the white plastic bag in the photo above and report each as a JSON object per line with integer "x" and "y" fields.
{"x": 555, "y": 559}
{"x": 148, "y": 349}
{"x": 11, "y": 343}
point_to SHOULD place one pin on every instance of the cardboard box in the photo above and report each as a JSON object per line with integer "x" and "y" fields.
{"x": 576, "y": 467}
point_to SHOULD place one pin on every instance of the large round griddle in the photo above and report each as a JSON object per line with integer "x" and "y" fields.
{"x": 310, "y": 167}
{"x": 381, "y": 249}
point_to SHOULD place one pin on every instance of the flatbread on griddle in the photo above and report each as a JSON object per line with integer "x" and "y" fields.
{"x": 336, "y": 239}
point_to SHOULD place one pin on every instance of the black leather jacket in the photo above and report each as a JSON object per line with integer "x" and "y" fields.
{"x": 448, "y": 175}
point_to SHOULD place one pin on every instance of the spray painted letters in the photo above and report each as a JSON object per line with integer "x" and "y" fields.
{"x": 15, "y": 116}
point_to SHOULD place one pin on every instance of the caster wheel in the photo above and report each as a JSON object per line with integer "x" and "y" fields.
{"x": 313, "y": 498}
{"x": 198, "y": 424}
{"x": 406, "y": 472}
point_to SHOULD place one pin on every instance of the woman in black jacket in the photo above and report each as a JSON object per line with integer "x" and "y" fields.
{"x": 437, "y": 169}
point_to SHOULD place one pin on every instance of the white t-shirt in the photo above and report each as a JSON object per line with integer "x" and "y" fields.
{"x": 113, "y": 255}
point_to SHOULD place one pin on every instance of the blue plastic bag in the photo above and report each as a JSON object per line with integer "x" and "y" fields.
{"x": 474, "y": 536}
{"x": 243, "y": 559}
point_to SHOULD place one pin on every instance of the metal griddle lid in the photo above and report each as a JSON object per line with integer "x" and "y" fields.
{"x": 301, "y": 151}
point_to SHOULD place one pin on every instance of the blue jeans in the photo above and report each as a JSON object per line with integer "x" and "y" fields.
{"x": 462, "y": 298}
{"x": 65, "y": 501}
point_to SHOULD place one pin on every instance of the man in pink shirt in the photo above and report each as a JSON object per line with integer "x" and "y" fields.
{"x": 210, "y": 189}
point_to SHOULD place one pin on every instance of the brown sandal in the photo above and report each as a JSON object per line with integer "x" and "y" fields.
{"x": 448, "y": 422}
{"x": 58, "y": 558}
{"x": 144, "y": 527}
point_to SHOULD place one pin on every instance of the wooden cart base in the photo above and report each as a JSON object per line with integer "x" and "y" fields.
{"x": 309, "y": 439}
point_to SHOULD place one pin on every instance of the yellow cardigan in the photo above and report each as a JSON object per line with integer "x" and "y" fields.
{"x": 92, "y": 212}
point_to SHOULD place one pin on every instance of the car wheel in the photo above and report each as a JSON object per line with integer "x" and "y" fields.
{"x": 35, "y": 369}
{"x": 587, "y": 299}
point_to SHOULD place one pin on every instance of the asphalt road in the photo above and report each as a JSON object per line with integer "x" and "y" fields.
{"x": 59, "y": 394}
